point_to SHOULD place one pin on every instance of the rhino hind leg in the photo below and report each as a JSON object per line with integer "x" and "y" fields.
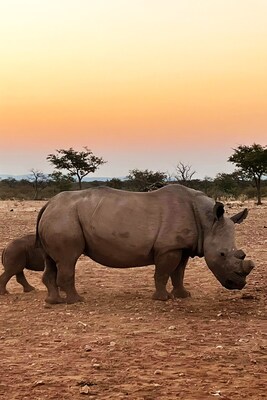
{"x": 61, "y": 276}
{"x": 165, "y": 265}
{"x": 49, "y": 279}
{"x": 21, "y": 279}
{"x": 4, "y": 278}
{"x": 177, "y": 278}
{"x": 66, "y": 281}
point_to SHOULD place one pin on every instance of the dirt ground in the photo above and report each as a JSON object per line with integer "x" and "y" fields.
{"x": 120, "y": 344}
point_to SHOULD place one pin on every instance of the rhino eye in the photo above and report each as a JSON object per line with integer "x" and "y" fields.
{"x": 222, "y": 254}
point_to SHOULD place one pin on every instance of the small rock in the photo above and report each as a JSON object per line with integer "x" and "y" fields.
{"x": 172, "y": 328}
{"x": 216, "y": 393}
{"x": 81, "y": 323}
{"x": 38, "y": 383}
{"x": 158, "y": 372}
{"x": 87, "y": 348}
{"x": 84, "y": 389}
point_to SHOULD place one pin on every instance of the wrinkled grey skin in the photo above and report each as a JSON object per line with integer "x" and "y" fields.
{"x": 19, "y": 254}
{"x": 127, "y": 229}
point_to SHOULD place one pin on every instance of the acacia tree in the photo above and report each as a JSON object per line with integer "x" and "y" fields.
{"x": 251, "y": 161}
{"x": 77, "y": 163}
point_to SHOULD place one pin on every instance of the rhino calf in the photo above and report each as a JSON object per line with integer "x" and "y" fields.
{"x": 20, "y": 253}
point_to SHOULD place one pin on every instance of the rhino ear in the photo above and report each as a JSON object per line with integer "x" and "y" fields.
{"x": 218, "y": 210}
{"x": 238, "y": 218}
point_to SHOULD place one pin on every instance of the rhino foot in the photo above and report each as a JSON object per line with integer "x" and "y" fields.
{"x": 180, "y": 293}
{"x": 74, "y": 299}
{"x": 55, "y": 300}
{"x": 161, "y": 295}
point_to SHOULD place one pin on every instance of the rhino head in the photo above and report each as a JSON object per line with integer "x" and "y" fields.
{"x": 226, "y": 262}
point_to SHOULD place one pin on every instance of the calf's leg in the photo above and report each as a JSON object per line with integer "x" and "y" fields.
{"x": 4, "y": 278}
{"x": 20, "y": 277}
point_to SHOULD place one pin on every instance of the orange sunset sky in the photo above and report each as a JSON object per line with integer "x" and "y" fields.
{"x": 144, "y": 84}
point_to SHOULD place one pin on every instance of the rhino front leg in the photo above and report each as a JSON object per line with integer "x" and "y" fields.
{"x": 20, "y": 277}
{"x": 165, "y": 265}
{"x": 177, "y": 278}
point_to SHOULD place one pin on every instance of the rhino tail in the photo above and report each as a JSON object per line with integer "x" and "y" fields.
{"x": 37, "y": 237}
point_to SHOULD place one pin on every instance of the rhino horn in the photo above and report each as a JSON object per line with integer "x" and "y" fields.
{"x": 247, "y": 266}
{"x": 240, "y": 254}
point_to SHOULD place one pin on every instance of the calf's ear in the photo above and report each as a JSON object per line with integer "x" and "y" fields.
{"x": 238, "y": 218}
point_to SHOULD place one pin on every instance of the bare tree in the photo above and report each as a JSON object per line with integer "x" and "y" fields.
{"x": 39, "y": 181}
{"x": 184, "y": 173}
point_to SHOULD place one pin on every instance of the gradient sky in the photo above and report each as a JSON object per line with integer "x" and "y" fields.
{"x": 144, "y": 84}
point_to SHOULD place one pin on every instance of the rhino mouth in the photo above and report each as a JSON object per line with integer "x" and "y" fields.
{"x": 238, "y": 278}
{"x": 238, "y": 284}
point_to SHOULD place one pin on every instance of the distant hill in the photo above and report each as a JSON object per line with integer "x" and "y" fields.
{"x": 86, "y": 179}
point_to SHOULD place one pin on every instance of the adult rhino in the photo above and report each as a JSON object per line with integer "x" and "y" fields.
{"x": 20, "y": 253}
{"x": 127, "y": 229}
